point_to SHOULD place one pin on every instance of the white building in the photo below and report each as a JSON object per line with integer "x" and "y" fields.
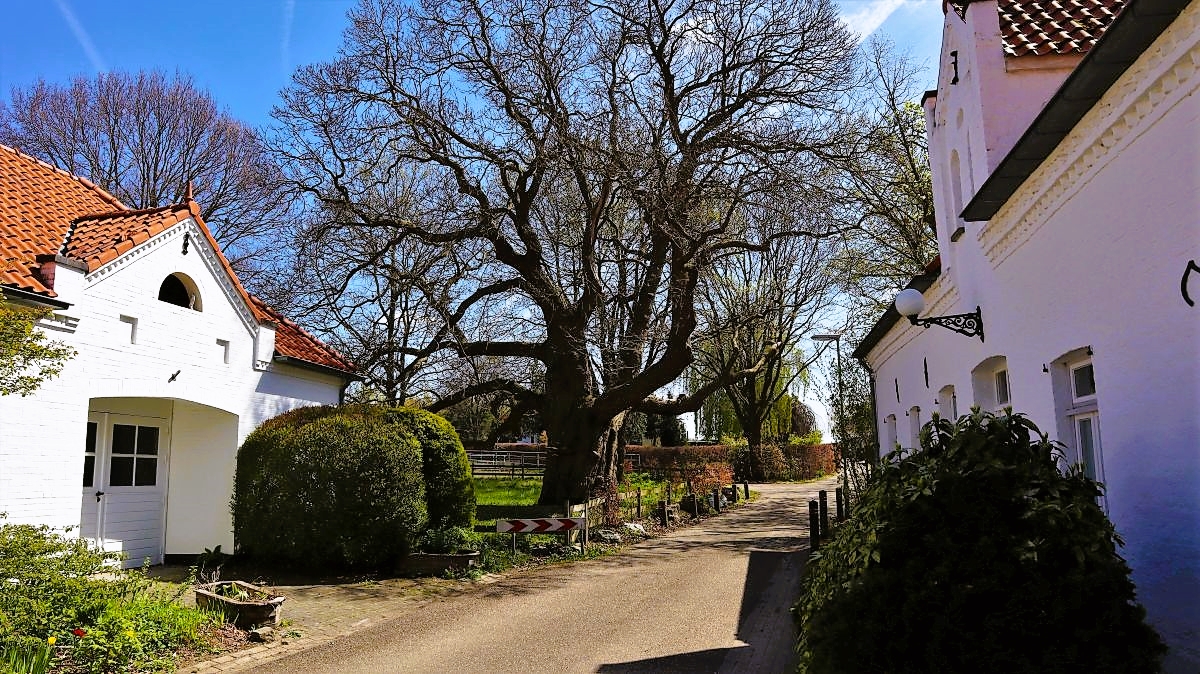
{"x": 135, "y": 443}
{"x": 1068, "y": 212}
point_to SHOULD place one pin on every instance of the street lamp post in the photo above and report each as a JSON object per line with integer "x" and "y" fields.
{"x": 836, "y": 338}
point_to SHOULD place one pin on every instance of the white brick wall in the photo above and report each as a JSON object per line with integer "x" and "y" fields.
{"x": 1090, "y": 252}
{"x": 42, "y": 436}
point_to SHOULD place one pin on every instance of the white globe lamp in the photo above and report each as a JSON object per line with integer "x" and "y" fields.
{"x": 910, "y": 302}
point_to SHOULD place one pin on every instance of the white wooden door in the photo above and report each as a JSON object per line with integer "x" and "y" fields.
{"x": 124, "y": 486}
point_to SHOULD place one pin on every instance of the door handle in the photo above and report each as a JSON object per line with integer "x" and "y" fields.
{"x": 98, "y": 495}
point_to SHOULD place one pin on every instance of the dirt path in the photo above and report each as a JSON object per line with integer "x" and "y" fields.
{"x": 710, "y": 598}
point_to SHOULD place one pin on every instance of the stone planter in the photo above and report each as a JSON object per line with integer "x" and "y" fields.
{"x": 259, "y": 608}
{"x": 423, "y": 563}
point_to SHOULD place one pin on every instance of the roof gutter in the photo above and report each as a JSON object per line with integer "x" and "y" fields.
{"x": 317, "y": 367}
{"x": 17, "y": 294}
{"x": 1127, "y": 38}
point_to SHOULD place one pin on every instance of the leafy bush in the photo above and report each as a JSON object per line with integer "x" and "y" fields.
{"x": 60, "y": 591}
{"x": 349, "y": 486}
{"x": 332, "y": 490}
{"x": 974, "y": 555}
{"x": 449, "y": 540}
{"x": 449, "y": 489}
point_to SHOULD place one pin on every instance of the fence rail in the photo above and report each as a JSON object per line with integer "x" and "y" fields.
{"x": 518, "y": 463}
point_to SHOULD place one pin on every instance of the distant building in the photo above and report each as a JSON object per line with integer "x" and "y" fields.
{"x": 135, "y": 443}
{"x": 1065, "y": 149}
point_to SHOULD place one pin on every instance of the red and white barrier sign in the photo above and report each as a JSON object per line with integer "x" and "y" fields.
{"x": 540, "y": 525}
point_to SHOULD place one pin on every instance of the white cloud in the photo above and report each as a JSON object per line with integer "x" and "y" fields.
{"x": 81, "y": 36}
{"x": 868, "y": 16}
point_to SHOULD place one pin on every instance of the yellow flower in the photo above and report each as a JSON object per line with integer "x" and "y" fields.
{"x": 130, "y": 633}
{"x": 50, "y": 641}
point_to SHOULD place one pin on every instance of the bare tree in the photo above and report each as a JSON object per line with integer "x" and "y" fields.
{"x": 143, "y": 137}
{"x": 754, "y": 299}
{"x": 592, "y": 161}
{"x": 887, "y": 190}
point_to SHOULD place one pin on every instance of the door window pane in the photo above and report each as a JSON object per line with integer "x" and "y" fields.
{"x": 147, "y": 440}
{"x": 1087, "y": 446}
{"x": 89, "y": 470}
{"x": 147, "y": 470}
{"x": 123, "y": 438}
{"x": 1085, "y": 382}
{"x": 120, "y": 471}
{"x": 90, "y": 448}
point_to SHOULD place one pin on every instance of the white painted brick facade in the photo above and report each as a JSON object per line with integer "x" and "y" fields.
{"x": 211, "y": 405}
{"x": 1088, "y": 253}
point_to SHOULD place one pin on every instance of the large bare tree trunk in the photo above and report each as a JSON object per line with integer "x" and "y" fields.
{"x": 586, "y": 457}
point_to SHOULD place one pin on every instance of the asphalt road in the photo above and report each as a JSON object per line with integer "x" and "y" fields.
{"x": 710, "y": 598}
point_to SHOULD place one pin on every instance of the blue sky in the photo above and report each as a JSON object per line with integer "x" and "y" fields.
{"x": 244, "y": 51}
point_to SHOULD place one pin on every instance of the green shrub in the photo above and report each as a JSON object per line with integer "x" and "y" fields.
{"x": 974, "y": 555}
{"x": 58, "y": 590}
{"x": 449, "y": 489}
{"x": 450, "y": 540}
{"x": 330, "y": 488}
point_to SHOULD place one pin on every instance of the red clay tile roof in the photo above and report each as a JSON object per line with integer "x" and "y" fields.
{"x": 101, "y": 238}
{"x": 37, "y": 205}
{"x": 1042, "y": 27}
{"x": 293, "y": 342}
{"x": 47, "y": 211}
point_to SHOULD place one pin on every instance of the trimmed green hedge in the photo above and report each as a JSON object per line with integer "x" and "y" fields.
{"x": 348, "y": 487}
{"x": 975, "y": 554}
{"x": 449, "y": 489}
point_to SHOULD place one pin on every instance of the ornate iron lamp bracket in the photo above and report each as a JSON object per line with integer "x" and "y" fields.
{"x": 970, "y": 324}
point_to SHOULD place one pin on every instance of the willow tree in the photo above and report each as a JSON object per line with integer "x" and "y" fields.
{"x": 591, "y": 160}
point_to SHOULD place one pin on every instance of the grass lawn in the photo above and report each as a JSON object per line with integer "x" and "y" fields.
{"x": 507, "y": 491}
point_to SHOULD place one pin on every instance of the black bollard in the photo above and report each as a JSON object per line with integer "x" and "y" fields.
{"x": 841, "y": 505}
{"x": 824, "y": 506}
{"x": 717, "y": 499}
{"x": 814, "y": 526}
{"x": 746, "y": 486}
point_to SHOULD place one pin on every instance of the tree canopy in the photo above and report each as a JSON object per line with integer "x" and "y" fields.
{"x": 581, "y": 168}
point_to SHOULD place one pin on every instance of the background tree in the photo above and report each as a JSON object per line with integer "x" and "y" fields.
{"x": 886, "y": 202}
{"x": 143, "y": 137}
{"x": 592, "y": 161}
{"x": 27, "y": 358}
{"x": 754, "y": 299}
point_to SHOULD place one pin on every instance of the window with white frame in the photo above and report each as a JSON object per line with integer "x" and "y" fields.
{"x": 991, "y": 384}
{"x": 1001, "y": 379}
{"x": 947, "y": 402}
{"x": 890, "y": 433}
{"x": 1075, "y": 397}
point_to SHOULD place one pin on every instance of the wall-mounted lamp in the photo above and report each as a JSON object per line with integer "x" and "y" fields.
{"x": 1044, "y": 368}
{"x": 910, "y": 302}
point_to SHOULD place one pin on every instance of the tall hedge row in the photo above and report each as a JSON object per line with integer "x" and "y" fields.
{"x": 348, "y": 487}
{"x": 975, "y": 554}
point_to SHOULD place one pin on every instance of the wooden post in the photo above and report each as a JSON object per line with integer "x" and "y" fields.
{"x": 662, "y": 505}
{"x": 841, "y": 505}
{"x": 567, "y": 533}
{"x": 814, "y": 526}
{"x": 733, "y": 490}
{"x": 746, "y": 486}
{"x": 639, "y": 503}
{"x": 824, "y": 508}
{"x": 587, "y": 521}
{"x": 717, "y": 499}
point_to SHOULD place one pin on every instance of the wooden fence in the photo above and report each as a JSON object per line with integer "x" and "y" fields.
{"x": 518, "y": 463}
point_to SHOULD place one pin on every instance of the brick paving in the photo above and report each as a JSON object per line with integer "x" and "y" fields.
{"x": 317, "y": 614}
